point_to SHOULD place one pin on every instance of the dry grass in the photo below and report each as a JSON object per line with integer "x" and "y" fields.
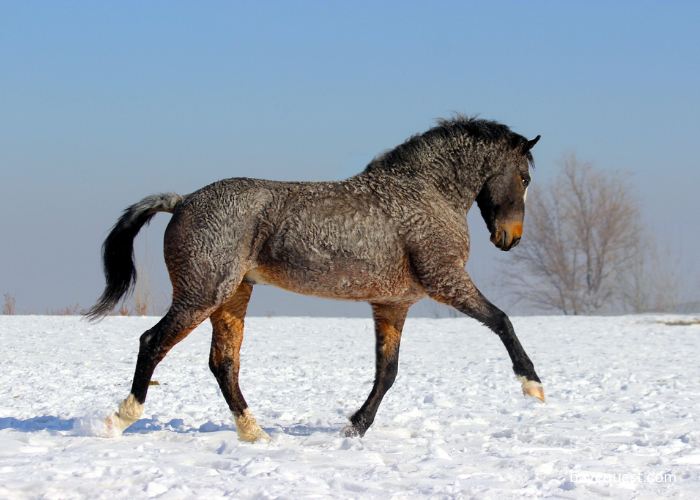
{"x": 144, "y": 295}
{"x": 124, "y": 311}
{"x": 9, "y": 307}
{"x": 681, "y": 323}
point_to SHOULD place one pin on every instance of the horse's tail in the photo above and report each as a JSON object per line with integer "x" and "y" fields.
{"x": 118, "y": 250}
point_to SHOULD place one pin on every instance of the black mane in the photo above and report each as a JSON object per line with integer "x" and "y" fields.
{"x": 459, "y": 126}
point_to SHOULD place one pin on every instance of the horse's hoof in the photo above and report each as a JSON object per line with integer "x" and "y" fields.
{"x": 263, "y": 437}
{"x": 248, "y": 429}
{"x": 533, "y": 389}
{"x": 112, "y": 428}
{"x": 535, "y": 392}
{"x": 349, "y": 431}
{"x": 129, "y": 412}
{"x": 260, "y": 436}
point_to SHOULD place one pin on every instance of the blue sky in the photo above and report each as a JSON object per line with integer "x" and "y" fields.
{"x": 103, "y": 103}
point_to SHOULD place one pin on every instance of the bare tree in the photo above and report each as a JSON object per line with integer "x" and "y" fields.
{"x": 582, "y": 235}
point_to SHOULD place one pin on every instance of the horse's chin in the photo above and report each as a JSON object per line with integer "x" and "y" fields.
{"x": 507, "y": 236}
{"x": 506, "y": 248}
{"x": 499, "y": 239}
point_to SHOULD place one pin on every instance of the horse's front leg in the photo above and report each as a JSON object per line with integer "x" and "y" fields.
{"x": 454, "y": 287}
{"x": 388, "y": 323}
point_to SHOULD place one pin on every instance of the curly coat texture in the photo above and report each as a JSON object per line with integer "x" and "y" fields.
{"x": 391, "y": 235}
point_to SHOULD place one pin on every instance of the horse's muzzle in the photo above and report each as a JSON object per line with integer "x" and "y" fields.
{"x": 507, "y": 235}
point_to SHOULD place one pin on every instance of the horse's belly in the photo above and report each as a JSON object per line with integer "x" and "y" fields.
{"x": 343, "y": 279}
{"x": 349, "y": 251}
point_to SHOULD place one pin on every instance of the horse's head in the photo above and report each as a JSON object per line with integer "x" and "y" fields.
{"x": 502, "y": 199}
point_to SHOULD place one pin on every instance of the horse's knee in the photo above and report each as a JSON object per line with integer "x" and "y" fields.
{"x": 499, "y": 322}
{"x": 504, "y": 320}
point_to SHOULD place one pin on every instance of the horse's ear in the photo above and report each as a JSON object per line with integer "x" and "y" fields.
{"x": 530, "y": 144}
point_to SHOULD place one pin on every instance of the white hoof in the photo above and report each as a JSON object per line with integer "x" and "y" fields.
{"x": 112, "y": 427}
{"x": 129, "y": 412}
{"x": 248, "y": 429}
{"x": 532, "y": 388}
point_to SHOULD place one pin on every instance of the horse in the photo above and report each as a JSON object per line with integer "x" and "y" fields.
{"x": 391, "y": 235}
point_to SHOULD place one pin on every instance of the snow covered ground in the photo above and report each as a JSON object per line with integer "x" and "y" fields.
{"x": 622, "y": 418}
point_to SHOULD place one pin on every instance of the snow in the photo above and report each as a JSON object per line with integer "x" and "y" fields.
{"x": 621, "y": 418}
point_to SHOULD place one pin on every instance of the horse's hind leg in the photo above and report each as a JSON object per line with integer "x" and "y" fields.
{"x": 154, "y": 345}
{"x": 224, "y": 361}
{"x": 388, "y": 323}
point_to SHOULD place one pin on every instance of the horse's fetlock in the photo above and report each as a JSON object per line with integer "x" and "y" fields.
{"x": 349, "y": 431}
{"x": 361, "y": 422}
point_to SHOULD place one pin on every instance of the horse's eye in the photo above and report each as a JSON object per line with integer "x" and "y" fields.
{"x": 526, "y": 183}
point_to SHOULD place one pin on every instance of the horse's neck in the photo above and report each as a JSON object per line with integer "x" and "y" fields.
{"x": 460, "y": 180}
{"x": 426, "y": 186}
{"x": 456, "y": 169}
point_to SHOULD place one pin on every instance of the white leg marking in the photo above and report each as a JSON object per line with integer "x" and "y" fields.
{"x": 248, "y": 429}
{"x": 129, "y": 412}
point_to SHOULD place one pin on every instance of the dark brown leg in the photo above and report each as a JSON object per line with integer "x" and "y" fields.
{"x": 388, "y": 323}
{"x": 224, "y": 360}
